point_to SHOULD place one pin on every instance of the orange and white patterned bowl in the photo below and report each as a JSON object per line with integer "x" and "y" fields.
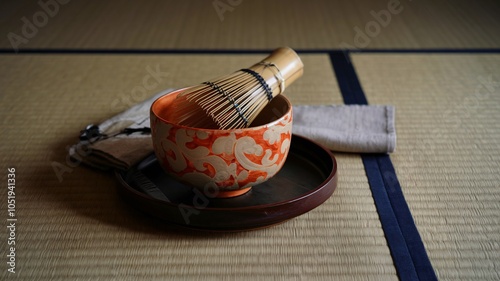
{"x": 222, "y": 163}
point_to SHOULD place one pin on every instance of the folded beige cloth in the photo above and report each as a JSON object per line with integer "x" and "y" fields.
{"x": 348, "y": 128}
{"x": 125, "y": 139}
{"x": 119, "y": 142}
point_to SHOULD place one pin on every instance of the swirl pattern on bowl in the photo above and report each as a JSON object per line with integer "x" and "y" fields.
{"x": 224, "y": 159}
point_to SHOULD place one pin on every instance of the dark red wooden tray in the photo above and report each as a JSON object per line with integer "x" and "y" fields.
{"x": 308, "y": 178}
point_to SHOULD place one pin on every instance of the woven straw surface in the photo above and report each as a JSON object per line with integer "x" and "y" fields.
{"x": 75, "y": 227}
{"x": 448, "y": 155}
{"x": 79, "y": 228}
{"x": 253, "y": 24}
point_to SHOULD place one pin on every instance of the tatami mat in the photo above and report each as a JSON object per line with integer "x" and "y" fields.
{"x": 79, "y": 228}
{"x": 448, "y": 154}
{"x": 252, "y": 24}
{"x": 74, "y": 226}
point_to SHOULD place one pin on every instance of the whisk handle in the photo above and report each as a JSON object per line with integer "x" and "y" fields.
{"x": 286, "y": 61}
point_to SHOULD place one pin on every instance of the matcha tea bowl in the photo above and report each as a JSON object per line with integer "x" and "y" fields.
{"x": 222, "y": 163}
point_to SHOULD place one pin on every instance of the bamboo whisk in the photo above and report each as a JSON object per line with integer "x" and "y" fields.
{"x": 234, "y": 100}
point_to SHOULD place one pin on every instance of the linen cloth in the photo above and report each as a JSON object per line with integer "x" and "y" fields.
{"x": 124, "y": 139}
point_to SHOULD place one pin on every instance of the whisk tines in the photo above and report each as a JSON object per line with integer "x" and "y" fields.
{"x": 234, "y": 101}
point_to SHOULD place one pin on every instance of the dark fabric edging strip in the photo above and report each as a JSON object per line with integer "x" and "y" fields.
{"x": 405, "y": 219}
{"x": 133, "y": 51}
{"x": 395, "y": 238}
{"x": 347, "y": 78}
{"x": 406, "y": 246}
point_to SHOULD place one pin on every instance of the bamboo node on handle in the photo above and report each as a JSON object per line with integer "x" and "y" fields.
{"x": 277, "y": 74}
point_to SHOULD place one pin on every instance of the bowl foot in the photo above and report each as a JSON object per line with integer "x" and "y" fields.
{"x": 233, "y": 193}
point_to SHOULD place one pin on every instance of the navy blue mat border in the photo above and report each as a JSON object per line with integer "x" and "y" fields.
{"x": 406, "y": 246}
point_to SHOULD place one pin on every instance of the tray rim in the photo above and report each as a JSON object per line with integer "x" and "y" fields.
{"x": 330, "y": 182}
{"x": 333, "y": 172}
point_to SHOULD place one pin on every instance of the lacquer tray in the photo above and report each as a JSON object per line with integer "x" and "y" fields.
{"x": 307, "y": 179}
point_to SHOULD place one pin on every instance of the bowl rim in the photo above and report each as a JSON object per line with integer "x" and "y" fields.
{"x": 272, "y": 123}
